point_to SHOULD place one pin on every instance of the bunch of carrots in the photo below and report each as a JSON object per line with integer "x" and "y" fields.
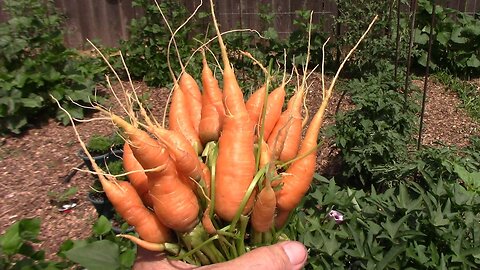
{"x": 225, "y": 175}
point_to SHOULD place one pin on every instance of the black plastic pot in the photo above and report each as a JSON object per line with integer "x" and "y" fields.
{"x": 101, "y": 203}
{"x": 102, "y": 159}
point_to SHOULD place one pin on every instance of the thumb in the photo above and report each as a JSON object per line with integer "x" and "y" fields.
{"x": 288, "y": 255}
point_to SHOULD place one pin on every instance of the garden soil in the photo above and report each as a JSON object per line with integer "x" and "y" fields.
{"x": 35, "y": 163}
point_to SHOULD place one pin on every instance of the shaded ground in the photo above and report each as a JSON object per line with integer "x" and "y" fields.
{"x": 33, "y": 164}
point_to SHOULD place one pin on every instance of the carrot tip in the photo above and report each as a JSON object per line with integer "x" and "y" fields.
{"x": 142, "y": 243}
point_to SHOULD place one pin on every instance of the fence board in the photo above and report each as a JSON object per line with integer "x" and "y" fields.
{"x": 108, "y": 20}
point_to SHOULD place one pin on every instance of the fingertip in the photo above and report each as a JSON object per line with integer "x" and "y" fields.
{"x": 296, "y": 253}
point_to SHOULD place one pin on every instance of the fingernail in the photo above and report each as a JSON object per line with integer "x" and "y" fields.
{"x": 296, "y": 253}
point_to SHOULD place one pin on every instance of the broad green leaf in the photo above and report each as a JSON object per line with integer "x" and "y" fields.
{"x": 456, "y": 36}
{"x": 29, "y": 228}
{"x": 127, "y": 258}
{"x": 102, "y": 226}
{"x": 10, "y": 241}
{"x": 420, "y": 37}
{"x": 99, "y": 255}
{"x": 443, "y": 37}
{"x": 33, "y": 101}
{"x": 473, "y": 61}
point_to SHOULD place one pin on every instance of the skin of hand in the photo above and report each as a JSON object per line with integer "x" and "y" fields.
{"x": 288, "y": 255}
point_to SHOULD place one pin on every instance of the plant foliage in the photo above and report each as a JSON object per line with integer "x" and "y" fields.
{"x": 374, "y": 136}
{"x": 456, "y": 40}
{"x": 146, "y": 50}
{"x": 35, "y": 64}
{"x": 405, "y": 227}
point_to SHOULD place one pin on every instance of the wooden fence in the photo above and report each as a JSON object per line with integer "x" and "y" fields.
{"x": 108, "y": 20}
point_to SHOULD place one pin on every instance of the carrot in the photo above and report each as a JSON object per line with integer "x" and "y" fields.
{"x": 145, "y": 148}
{"x": 180, "y": 120}
{"x": 236, "y": 159}
{"x": 299, "y": 175}
{"x": 210, "y": 123}
{"x": 291, "y": 123}
{"x": 127, "y": 202}
{"x": 174, "y": 202}
{"x": 130, "y": 207}
{"x": 273, "y": 110}
{"x": 138, "y": 178}
{"x": 211, "y": 88}
{"x": 264, "y": 209}
{"x": 254, "y": 104}
{"x": 207, "y": 221}
{"x": 281, "y": 218}
{"x": 144, "y": 244}
{"x": 206, "y": 177}
{"x": 193, "y": 98}
{"x": 186, "y": 159}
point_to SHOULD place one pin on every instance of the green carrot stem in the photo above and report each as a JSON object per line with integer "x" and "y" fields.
{"x": 202, "y": 257}
{"x": 256, "y": 238}
{"x": 267, "y": 237}
{"x": 241, "y": 239}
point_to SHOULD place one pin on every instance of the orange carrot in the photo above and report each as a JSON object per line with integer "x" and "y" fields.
{"x": 255, "y": 103}
{"x": 235, "y": 166}
{"x": 281, "y": 218}
{"x": 130, "y": 207}
{"x": 211, "y": 89}
{"x": 185, "y": 156}
{"x": 236, "y": 158}
{"x": 273, "y": 110}
{"x": 145, "y": 148}
{"x": 138, "y": 178}
{"x": 299, "y": 175}
{"x": 290, "y": 120}
{"x": 210, "y": 126}
{"x": 207, "y": 221}
{"x": 174, "y": 202}
{"x": 264, "y": 209}
{"x": 128, "y": 203}
{"x": 193, "y": 99}
{"x": 206, "y": 177}
{"x": 180, "y": 120}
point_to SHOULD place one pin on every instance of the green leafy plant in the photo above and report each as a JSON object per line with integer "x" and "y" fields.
{"x": 102, "y": 250}
{"x": 374, "y": 136}
{"x": 146, "y": 50}
{"x": 18, "y": 252}
{"x": 456, "y": 41}
{"x": 379, "y": 47}
{"x": 100, "y": 144}
{"x": 405, "y": 227}
{"x": 35, "y": 64}
{"x": 62, "y": 196}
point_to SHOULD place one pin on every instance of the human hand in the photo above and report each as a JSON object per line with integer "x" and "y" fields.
{"x": 288, "y": 255}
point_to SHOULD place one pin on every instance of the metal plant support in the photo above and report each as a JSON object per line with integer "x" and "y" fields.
{"x": 427, "y": 73}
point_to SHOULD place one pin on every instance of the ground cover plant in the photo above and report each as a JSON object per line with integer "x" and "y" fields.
{"x": 35, "y": 64}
